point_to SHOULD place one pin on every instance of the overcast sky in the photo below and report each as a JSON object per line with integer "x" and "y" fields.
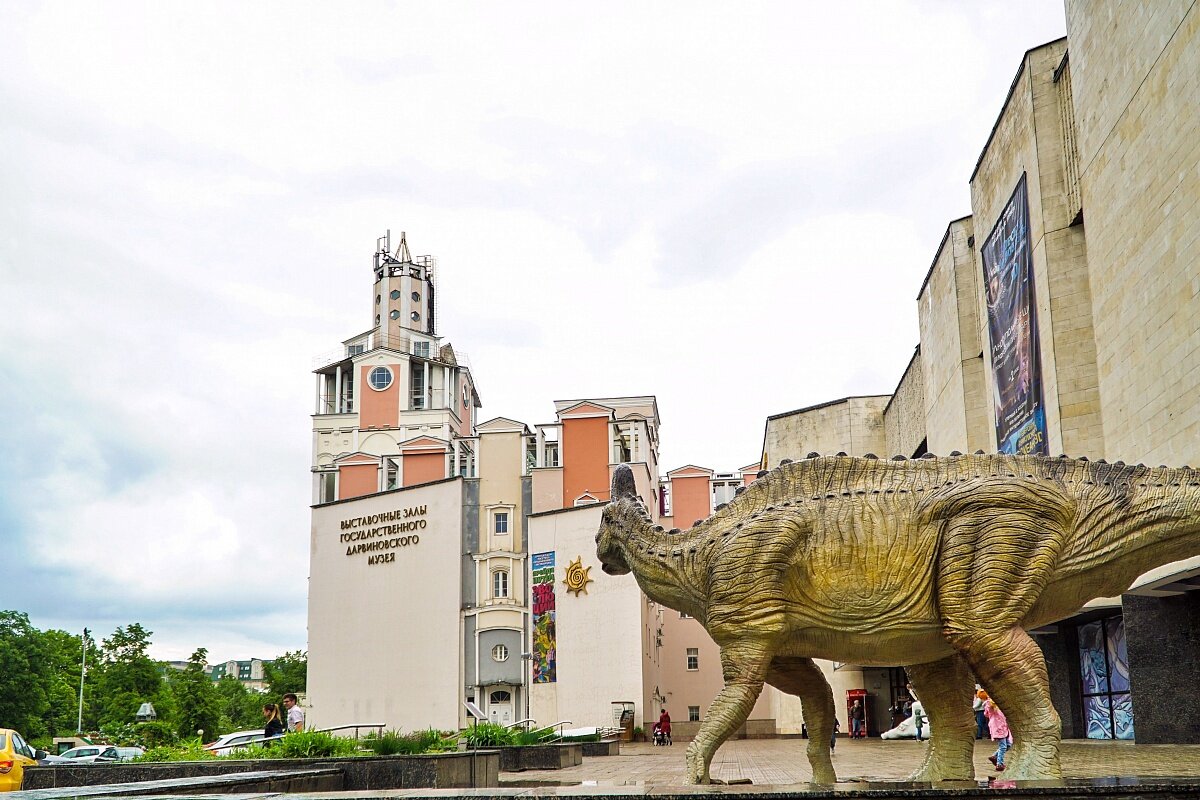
{"x": 730, "y": 206}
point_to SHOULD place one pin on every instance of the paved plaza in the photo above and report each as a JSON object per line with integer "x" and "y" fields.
{"x": 782, "y": 761}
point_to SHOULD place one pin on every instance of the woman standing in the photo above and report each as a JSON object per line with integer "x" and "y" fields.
{"x": 273, "y": 725}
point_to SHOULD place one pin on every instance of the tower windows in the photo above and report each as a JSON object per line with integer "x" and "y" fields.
{"x": 416, "y": 297}
{"x": 378, "y": 299}
{"x": 394, "y": 315}
{"x": 395, "y": 295}
{"x": 380, "y": 378}
{"x": 415, "y": 316}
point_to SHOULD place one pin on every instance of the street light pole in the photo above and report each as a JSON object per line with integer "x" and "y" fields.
{"x": 82, "y": 672}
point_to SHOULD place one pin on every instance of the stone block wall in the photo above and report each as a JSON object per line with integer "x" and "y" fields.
{"x": 1136, "y": 85}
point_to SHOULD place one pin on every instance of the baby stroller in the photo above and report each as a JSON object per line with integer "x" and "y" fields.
{"x": 661, "y": 738}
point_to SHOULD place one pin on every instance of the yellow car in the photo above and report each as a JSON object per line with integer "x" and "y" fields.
{"x": 15, "y": 755}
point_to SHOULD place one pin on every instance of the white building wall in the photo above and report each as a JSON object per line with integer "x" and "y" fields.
{"x": 598, "y": 648}
{"x": 379, "y": 651}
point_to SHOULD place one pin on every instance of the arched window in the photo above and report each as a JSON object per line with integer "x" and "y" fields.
{"x": 500, "y": 583}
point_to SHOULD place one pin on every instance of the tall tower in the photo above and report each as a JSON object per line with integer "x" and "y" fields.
{"x": 404, "y": 290}
{"x": 396, "y": 406}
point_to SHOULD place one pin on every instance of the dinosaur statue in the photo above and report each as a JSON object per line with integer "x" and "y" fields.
{"x": 940, "y": 565}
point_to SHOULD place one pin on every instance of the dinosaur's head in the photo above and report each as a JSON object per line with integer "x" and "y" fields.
{"x": 623, "y": 507}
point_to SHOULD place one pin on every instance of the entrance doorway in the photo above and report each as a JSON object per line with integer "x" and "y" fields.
{"x": 500, "y": 707}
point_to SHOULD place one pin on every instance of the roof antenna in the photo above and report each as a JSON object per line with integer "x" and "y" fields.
{"x": 402, "y": 254}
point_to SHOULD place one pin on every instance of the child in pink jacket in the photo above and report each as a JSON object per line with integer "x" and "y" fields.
{"x": 998, "y": 728}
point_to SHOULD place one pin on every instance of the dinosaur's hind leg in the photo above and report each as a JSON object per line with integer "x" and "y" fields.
{"x": 944, "y": 689}
{"x": 1009, "y": 664}
{"x": 803, "y": 678}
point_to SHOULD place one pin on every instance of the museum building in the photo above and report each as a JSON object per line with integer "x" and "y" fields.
{"x": 1062, "y": 316}
{"x": 454, "y": 560}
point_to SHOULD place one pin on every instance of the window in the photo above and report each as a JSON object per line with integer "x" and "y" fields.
{"x": 693, "y": 659}
{"x": 551, "y": 454}
{"x": 693, "y": 713}
{"x": 682, "y": 615}
{"x": 328, "y": 487}
{"x": 395, "y": 294}
{"x": 394, "y": 315}
{"x": 415, "y": 316}
{"x": 501, "y": 522}
{"x": 391, "y": 474}
{"x": 499, "y": 653}
{"x": 416, "y": 297}
{"x": 500, "y": 697}
{"x": 500, "y": 584}
{"x": 421, "y": 349}
{"x": 355, "y": 349}
{"x": 380, "y": 378}
{"x": 416, "y": 386}
{"x": 378, "y": 299}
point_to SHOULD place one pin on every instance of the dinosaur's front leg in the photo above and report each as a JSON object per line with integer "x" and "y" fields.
{"x": 744, "y": 665}
{"x": 803, "y": 678}
{"x": 944, "y": 689}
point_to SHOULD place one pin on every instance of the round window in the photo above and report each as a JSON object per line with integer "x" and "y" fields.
{"x": 394, "y": 315}
{"x": 395, "y": 295}
{"x": 416, "y": 296}
{"x": 499, "y": 653}
{"x": 380, "y": 378}
{"x": 415, "y": 316}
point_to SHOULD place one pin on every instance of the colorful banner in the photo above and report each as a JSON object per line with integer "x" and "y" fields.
{"x": 544, "y": 655}
{"x": 1013, "y": 331}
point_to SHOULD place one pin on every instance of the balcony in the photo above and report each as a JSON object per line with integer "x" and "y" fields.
{"x": 377, "y": 341}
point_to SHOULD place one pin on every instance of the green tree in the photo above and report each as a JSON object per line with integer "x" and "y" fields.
{"x": 128, "y": 677}
{"x": 24, "y": 675}
{"x": 63, "y": 652}
{"x": 288, "y": 673}
{"x": 240, "y": 708}
{"x": 197, "y": 706}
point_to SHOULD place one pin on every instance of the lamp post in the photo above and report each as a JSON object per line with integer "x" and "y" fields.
{"x": 82, "y": 673}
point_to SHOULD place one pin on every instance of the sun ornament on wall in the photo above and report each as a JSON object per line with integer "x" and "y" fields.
{"x": 577, "y": 577}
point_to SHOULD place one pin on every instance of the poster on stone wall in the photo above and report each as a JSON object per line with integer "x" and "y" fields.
{"x": 1013, "y": 331}
{"x": 544, "y": 655}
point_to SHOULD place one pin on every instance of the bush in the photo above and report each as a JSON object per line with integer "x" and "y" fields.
{"x": 489, "y": 734}
{"x": 393, "y": 743}
{"x": 188, "y": 751}
{"x": 307, "y": 744}
{"x": 532, "y": 736}
{"x": 154, "y": 734}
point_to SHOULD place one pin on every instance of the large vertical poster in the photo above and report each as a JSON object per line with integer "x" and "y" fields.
{"x": 544, "y": 656}
{"x": 1013, "y": 331}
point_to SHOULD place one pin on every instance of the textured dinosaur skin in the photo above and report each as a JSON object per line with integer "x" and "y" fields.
{"x": 940, "y": 565}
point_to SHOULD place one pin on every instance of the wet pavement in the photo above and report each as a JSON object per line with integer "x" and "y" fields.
{"x": 782, "y": 761}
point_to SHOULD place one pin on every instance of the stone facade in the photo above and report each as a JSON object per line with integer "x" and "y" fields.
{"x": 1136, "y": 84}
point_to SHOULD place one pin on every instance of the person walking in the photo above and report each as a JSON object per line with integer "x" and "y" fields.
{"x": 273, "y": 724}
{"x": 857, "y": 716}
{"x": 977, "y": 707}
{"x": 837, "y": 726}
{"x": 918, "y": 715}
{"x": 998, "y": 728}
{"x": 295, "y": 717}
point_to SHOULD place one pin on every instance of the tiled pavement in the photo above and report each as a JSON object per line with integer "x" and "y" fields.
{"x": 782, "y": 761}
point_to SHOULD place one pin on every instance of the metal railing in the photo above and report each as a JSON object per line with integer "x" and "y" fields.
{"x": 327, "y": 404}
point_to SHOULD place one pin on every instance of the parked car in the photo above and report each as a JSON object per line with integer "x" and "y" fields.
{"x": 129, "y": 753}
{"x": 91, "y": 754}
{"x": 232, "y": 742}
{"x": 15, "y": 755}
